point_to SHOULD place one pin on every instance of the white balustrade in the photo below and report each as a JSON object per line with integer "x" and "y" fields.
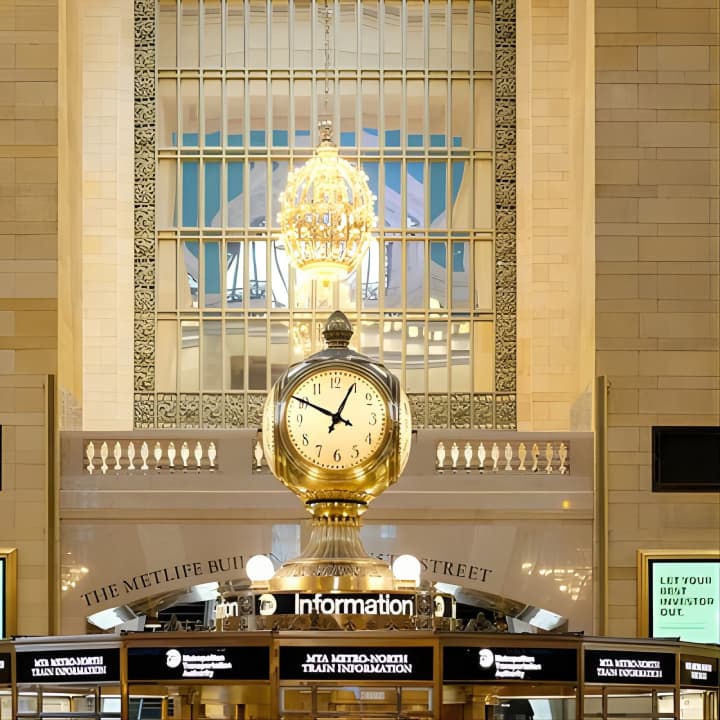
{"x": 161, "y": 459}
{"x": 514, "y": 454}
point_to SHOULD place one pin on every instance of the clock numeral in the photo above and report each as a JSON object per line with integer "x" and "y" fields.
{"x": 368, "y": 438}
{"x": 335, "y": 382}
{"x": 305, "y": 439}
{"x": 316, "y": 388}
{"x": 355, "y": 452}
{"x": 373, "y": 418}
{"x": 368, "y": 398}
{"x": 319, "y": 449}
{"x": 336, "y": 456}
{"x": 303, "y": 402}
{"x": 299, "y": 419}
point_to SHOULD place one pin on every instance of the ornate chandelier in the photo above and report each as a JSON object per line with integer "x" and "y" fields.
{"x": 327, "y": 214}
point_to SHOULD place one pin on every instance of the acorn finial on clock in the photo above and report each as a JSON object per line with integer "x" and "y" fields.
{"x": 337, "y": 332}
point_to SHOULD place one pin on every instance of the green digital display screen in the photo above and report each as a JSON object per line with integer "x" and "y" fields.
{"x": 684, "y": 597}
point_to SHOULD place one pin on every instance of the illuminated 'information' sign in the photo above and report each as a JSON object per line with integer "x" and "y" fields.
{"x": 684, "y": 599}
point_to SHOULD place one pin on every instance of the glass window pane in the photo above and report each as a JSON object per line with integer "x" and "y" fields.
{"x": 483, "y": 194}
{"x": 392, "y": 196}
{"x": 190, "y": 190}
{"x": 460, "y": 376}
{"x": 257, "y": 273}
{"x": 369, "y": 37}
{"x": 279, "y": 275}
{"x": 256, "y": 38}
{"x": 348, "y": 113}
{"x": 166, "y": 356}
{"x": 189, "y": 34}
{"x": 189, "y": 356}
{"x": 483, "y": 275}
{"x": 392, "y": 55}
{"x": 463, "y": 199}
{"x": 212, "y": 279}
{"x": 213, "y": 112}
{"x": 190, "y": 275}
{"x": 235, "y": 112}
{"x": 279, "y": 181}
{"x": 166, "y": 275}
{"x": 483, "y": 354}
{"x": 415, "y": 274}
{"x": 279, "y": 349}
{"x": 257, "y": 355}
{"x": 484, "y": 49}
{"x": 235, "y": 354}
{"x": 258, "y": 113}
{"x": 258, "y": 194}
{"x": 167, "y": 34}
{"x": 462, "y": 133}
{"x": 280, "y": 112}
{"x": 460, "y": 35}
{"x": 437, "y": 349}
{"x": 235, "y": 35}
{"x": 279, "y": 38}
{"x": 303, "y": 112}
{"x": 438, "y": 274}
{"x": 392, "y": 102}
{"x": 438, "y": 194}
{"x": 438, "y": 113}
{"x": 370, "y": 112}
{"x": 415, "y": 113}
{"x": 346, "y": 28}
{"x": 393, "y": 274}
{"x": 415, "y": 37}
{"x": 234, "y": 274}
{"x": 460, "y": 275}
{"x": 302, "y": 58}
{"x": 213, "y": 216}
{"x": 437, "y": 36}
{"x": 415, "y": 356}
{"x": 415, "y": 194}
{"x": 212, "y": 355}
{"x": 235, "y": 195}
{"x": 189, "y": 90}
{"x": 369, "y": 276}
{"x": 392, "y": 347}
{"x": 166, "y": 195}
{"x": 212, "y": 40}
{"x": 483, "y": 113}
{"x": 167, "y": 114}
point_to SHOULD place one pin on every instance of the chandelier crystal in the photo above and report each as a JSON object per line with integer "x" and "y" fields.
{"x": 327, "y": 212}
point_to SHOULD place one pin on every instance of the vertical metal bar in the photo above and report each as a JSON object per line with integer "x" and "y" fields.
{"x": 602, "y": 389}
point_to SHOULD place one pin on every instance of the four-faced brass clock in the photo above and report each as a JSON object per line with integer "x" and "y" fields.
{"x": 336, "y": 418}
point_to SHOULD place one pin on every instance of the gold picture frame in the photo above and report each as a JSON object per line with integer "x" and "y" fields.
{"x": 8, "y": 592}
{"x": 649, "y": 561}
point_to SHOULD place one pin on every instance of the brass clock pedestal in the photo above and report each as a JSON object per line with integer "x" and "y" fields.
{"x": 334, "y": 559}
{"x": 336, "y": 431}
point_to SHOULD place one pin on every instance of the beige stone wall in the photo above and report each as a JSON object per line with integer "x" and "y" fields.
{"x": 555, "y": 216}
{"x": 658, "y": 267}
{"x": 28, "y": 290}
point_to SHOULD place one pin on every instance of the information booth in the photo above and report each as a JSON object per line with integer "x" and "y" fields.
{"x": 357, "y": 675}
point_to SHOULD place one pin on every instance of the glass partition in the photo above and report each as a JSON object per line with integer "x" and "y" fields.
{"x": 497, "y": 702}
{"x": 65, "y": 701}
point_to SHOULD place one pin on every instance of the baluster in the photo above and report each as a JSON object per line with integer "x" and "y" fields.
{"x": 184, "y": 455}
{"x": 90, "y": 455}
{"x": 131, "y": 455}
{"x": 508, "y": 456}
{"x": 468, "y": 456}
{"x": 522, "y": 454}
{"x": 198, "y": 455}
{"x": 454, "y": 455}
{"x": 549, "y": 457}
{"x": 212, "y": 454}
{"x": 144, "y": 454}
{"x": 258, "y": 456}
{"x": 440, "y": 455}
{"x": 117, "y": 454}
{"x": 481, "y": 458}
{"x": 535, "y": 456}
{"x": 104, "y": 457}
{"x": 563, "y": 454}
{"x": 495, "y": 455}
{"x": 157, "y": 454}
{"x": 171, "y": 456}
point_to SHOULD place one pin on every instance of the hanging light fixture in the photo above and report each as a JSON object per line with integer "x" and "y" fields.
{"x": 327, "y": 214}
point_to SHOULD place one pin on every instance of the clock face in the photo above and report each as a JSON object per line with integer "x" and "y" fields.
{"x": 336, "y": 418}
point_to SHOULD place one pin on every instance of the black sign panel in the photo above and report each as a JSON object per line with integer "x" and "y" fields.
{"x": 636, "y": 668}
{"x": 698, "y": 671}
{"x": 5, "y": 667}
{"x": 356, "y": 663}
{"x": 191, "y": 663}
{"x": 508, "y": 664}
{"x": 82, "y": 664}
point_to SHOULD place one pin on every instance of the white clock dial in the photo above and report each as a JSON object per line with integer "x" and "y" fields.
{"x": 336, "y": 419}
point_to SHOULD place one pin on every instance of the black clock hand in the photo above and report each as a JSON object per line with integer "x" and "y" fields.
{"x": 337, "y": 416}
{"x": 303, "y": 401}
